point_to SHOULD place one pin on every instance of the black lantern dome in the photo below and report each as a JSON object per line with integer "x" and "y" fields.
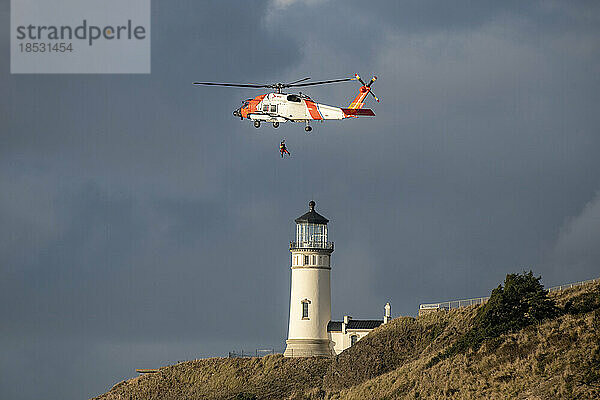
{"x": 312, "y": 217}
{"x": 311, "y": 231}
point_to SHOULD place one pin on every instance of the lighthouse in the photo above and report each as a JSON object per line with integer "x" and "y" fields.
{"x": 310, "y": 297}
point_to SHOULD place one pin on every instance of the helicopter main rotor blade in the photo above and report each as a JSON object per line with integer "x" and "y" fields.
{"x": 299, "y": 80}
{"x": 279, "y": 86}
{"x": 232, "y": 84}
{"x": 323, "y": 82}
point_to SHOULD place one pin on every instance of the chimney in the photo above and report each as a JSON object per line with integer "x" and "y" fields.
{"x": 347, "y": 319}
{"x": 388, "y": 313}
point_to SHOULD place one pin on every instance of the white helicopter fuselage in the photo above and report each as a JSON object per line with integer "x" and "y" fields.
{"x": 278, "y": 107}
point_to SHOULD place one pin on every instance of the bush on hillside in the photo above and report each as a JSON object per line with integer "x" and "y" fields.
{"x": 520, "y": 303}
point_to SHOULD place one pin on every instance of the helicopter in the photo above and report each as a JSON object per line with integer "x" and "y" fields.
{"x": 278, "y": 107}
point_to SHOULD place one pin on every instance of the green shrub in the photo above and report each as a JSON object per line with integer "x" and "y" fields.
{"x": 520, "y": 303}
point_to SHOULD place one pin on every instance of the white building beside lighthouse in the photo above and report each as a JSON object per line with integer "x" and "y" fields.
{"x": 311, "y": 331}
{"x": 347, "y": 332}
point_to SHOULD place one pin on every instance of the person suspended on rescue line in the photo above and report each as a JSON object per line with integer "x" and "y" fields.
{"x": 283, "y": 149}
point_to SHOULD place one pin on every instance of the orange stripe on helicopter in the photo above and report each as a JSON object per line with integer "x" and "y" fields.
{"x": 252, "y": 105}
{"x": 312, "y": 110}
{"x": 358, "y": 101}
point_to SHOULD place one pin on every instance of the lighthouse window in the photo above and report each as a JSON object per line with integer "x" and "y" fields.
{"x": 314, "y": 260}
{"x": 306, "y": 261}
{"x": 304, "y": 310}
{"x": 311, "y": 235}
{"x": 353, "y": 340}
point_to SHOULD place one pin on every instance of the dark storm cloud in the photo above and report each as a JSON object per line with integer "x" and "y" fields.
{"x": 577, "y": 245}
{"x": 142, "y": 224}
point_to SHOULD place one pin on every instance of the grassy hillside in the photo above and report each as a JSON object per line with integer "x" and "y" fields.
{"x": 557, "y": 358}
{"x": 270, "y": 377}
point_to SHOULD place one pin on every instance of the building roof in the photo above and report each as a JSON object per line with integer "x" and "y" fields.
{"x": 364, "y": 323}
{"x": 336, "y": 326}
{"x": 312, "y": 217}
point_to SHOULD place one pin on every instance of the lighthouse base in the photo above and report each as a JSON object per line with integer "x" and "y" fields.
{"x": 309, "y": 348}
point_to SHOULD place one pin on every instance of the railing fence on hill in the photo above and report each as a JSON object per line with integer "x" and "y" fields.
{"x": 448, "y": 305}
{"x": 571, "y": 285}
{"x": 255, "y": 353}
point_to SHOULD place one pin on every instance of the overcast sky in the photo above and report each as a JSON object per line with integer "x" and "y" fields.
{"x": 142, "y": 224}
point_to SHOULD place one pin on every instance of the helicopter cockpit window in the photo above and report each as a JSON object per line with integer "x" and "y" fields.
{"x": 294, "y": 98}
{"x": 265, "y": 107}
{"x": 273, "y": 108}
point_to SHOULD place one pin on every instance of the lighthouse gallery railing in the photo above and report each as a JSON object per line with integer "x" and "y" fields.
{"x": 311, "y": 245}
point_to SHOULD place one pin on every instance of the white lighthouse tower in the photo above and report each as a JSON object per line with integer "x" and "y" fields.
{"x": 310, "y": 299}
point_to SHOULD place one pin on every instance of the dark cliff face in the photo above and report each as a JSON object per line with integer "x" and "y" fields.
{"x": 558, "y": 358}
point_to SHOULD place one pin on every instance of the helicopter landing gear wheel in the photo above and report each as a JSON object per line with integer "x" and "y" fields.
{"x": 257, "y": 124}
{"x": 308, "y": 128}
{"x": 275, "y": 124}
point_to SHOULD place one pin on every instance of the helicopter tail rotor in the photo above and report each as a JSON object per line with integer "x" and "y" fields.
{"x": 368, "y": 85}
{"x": 365, "y": 89}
